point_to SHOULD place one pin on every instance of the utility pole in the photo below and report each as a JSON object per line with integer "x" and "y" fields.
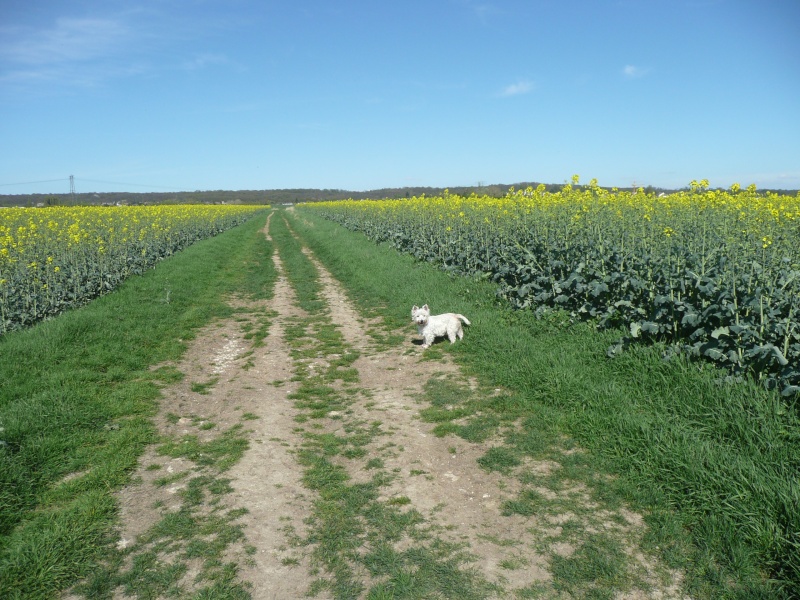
{"x": 72, "y": 188}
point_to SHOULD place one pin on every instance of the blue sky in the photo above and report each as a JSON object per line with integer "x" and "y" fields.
{"x": 160, "y": 95}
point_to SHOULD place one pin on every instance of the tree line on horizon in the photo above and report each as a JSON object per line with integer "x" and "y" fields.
{"x": 273, "y": 196}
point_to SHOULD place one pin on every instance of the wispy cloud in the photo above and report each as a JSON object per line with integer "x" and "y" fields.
{"x": 68, "y": 40}
{"x": 516, "y": 89}
{"x": 786, "y": 180}
{"x": 206, "y": 60}
{"x": 80, "y": 52}
{"x": 480, "y": 9}
{"x": 73, "y": 51}
{"x": 634, "y": 72}
{"x": 484, "y": 10}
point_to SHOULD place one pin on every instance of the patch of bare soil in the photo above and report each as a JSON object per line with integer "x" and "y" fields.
{"x": 228, "y": 381}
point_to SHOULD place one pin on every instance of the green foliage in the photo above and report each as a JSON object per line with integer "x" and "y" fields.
{"x": 594, "y": 570}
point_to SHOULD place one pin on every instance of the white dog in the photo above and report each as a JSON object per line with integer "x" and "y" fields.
{"x": 433, "y": 326}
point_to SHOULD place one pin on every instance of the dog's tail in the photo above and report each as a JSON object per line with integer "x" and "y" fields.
{"x": 465, "y": 319}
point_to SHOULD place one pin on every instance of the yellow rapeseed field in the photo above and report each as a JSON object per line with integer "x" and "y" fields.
{"x": 716, "y": 270}
{"x": 56, "y": 257}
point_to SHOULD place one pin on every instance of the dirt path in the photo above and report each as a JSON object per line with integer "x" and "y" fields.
{"x": 246, "y": 441}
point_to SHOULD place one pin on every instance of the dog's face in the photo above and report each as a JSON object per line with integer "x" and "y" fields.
{"x": 420, "y": 315}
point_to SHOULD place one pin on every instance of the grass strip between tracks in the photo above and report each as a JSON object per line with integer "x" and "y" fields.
{"x": 352, "y": 533}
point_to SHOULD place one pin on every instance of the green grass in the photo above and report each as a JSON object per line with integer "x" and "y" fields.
{"x": 305, "y": 278}
{"x": 204, "y": 387}
{"x": 595, "y": 570}
{"x": 222, "y": 452}
{"x": 712, "y": 466}
{"x": 199, "y": 533}
{"x": 77, "y": 396}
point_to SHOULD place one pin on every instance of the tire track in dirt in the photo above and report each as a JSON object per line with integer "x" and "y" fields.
{"x": 247, "y": 385}
{"x": 441, "y": 477}
{"x": 267, "y": 480}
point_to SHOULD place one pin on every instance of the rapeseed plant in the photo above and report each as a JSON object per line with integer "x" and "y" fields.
{"x": 717, "y": 271}
{"x": 57, "y": 257}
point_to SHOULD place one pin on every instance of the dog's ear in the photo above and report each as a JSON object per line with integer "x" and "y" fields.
{"x": 415, "y": 307}
{"x": 425, "y": 307}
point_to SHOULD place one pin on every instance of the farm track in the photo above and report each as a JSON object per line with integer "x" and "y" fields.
{"x": 267, "y": 513}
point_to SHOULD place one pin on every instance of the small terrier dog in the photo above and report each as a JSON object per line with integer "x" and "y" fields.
{"x": 432, "y": 326}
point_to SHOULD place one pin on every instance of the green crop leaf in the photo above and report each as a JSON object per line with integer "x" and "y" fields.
{"x": 650, "y": 327}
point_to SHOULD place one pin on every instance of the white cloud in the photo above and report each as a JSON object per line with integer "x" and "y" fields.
{"x": 786, "y": 180}
{"x": 481, "y": 10}
{"x": 69, "y": 40}
{"x": 484, "y": 10}
{"x": 201, "y": 61}
{"x": 76, "y": 52}
{"x": 515, "y": 89}
{"x": 634, "y": 72}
